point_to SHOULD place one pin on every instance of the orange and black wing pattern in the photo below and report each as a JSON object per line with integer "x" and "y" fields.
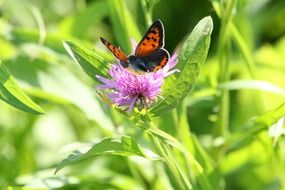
{"x": 119, "y": 54}
{"x": 152, "y": 40}
{"x": 156, "y": 60}
{"x": 162, "y": 62}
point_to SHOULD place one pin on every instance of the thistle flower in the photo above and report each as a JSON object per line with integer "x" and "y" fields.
{"x": 128, "y": 89}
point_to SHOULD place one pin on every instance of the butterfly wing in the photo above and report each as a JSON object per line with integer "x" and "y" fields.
{"x": 152, "y": 40}
{"x": 119, "y": 54}
{"x": 156, "y": 60}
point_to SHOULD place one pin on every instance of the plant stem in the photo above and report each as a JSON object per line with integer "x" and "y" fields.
{"x": 135, "y": 173}
{"x": 159, "y": 141}
{"x": 183, "y": 133}
{"x": 147, "y": 12}
{"x": 190, "y": 143}
{"x": 176, "y": 172}
{"x": 173, "y": 160}
{"x": 223, "y": 51}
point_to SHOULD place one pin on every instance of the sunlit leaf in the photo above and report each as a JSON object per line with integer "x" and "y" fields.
{"x": 206, "y": 179}
{"x": 261, "y": 123}
{"x": 149, "y": 127}
{"x": 238, "y": 39}
{"x": 192, "y": 55}
{"x": 276, "y": 130}
{"x": 11, "y": 93}
{"x": 90, "y": 61}
{"x": 55, "y": 83}
{"x": 253, "y": 85}
{"x": 29, "y": 35}
{"x": 124, "y": 146}
{"x": 271, "y": 117}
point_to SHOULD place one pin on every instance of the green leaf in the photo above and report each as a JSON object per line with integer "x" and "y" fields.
{"x": 263, "y": 122}
{"x": 58, "y": 84}
{"x": 11, "y": 93}
{"x": 192, "y": 55}
{"x": 28, "y": 35}
{"x": 205, "y": 179}
{"x": 91, "y": 62}
{"x": 149, "y": 127}
{"x": 238, "y": 39}
{"x": 271, "y": 117}
{"x": 152, "y": 3}
{"x": 253, "y": 85}
{"x": 124, "y": 146}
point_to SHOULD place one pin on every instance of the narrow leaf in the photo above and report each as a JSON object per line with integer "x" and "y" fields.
{"x": 123, "y": 25}
{"x": 240, "y": 139}
{"x": 28, "y": 35}
{"x": 11, "y": 93}
{"x": 124, "y": 146}
{"x": 192, "y": 55}
{"x": 253, "y": 85}
{"x": 91, "y": 62}
{"x": 271, "y": 117}
{"x": 238, "y": 40}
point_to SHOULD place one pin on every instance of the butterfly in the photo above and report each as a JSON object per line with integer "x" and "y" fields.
{"x": 149, "y": 56}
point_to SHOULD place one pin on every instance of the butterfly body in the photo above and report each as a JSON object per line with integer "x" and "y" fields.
{"x": 149, "y": 55}
{"x": 138, "y": 63}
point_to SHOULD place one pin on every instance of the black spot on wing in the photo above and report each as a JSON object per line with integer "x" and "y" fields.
{"x": 155, "y": 29}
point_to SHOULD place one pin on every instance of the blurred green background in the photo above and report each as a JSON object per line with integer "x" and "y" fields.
{"x": 31, "y": 36}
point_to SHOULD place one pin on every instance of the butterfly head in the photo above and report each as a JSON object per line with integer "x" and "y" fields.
{"x": 132, "y": 58}
{"x": 130, "y": 62}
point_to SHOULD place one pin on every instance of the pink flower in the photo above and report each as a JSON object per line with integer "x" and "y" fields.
{"x": 128, "y": 89}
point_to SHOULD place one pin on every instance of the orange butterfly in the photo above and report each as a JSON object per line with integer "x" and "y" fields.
{"x": 150, "y": 55}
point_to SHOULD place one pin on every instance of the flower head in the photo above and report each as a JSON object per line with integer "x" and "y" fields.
{"x": 127, "y": 89}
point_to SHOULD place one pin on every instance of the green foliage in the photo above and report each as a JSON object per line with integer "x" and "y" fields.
{"x": 253, "y": 85}
{"x": 122, "y": 23}
{"x": 192, "y": 55}
{"x": 91, "y": 62}
{"x": 208, "y": 130}
{"x": 12, "y": 94}
{"x": 271, "y": 117}
{"x": 124, "y": 146}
